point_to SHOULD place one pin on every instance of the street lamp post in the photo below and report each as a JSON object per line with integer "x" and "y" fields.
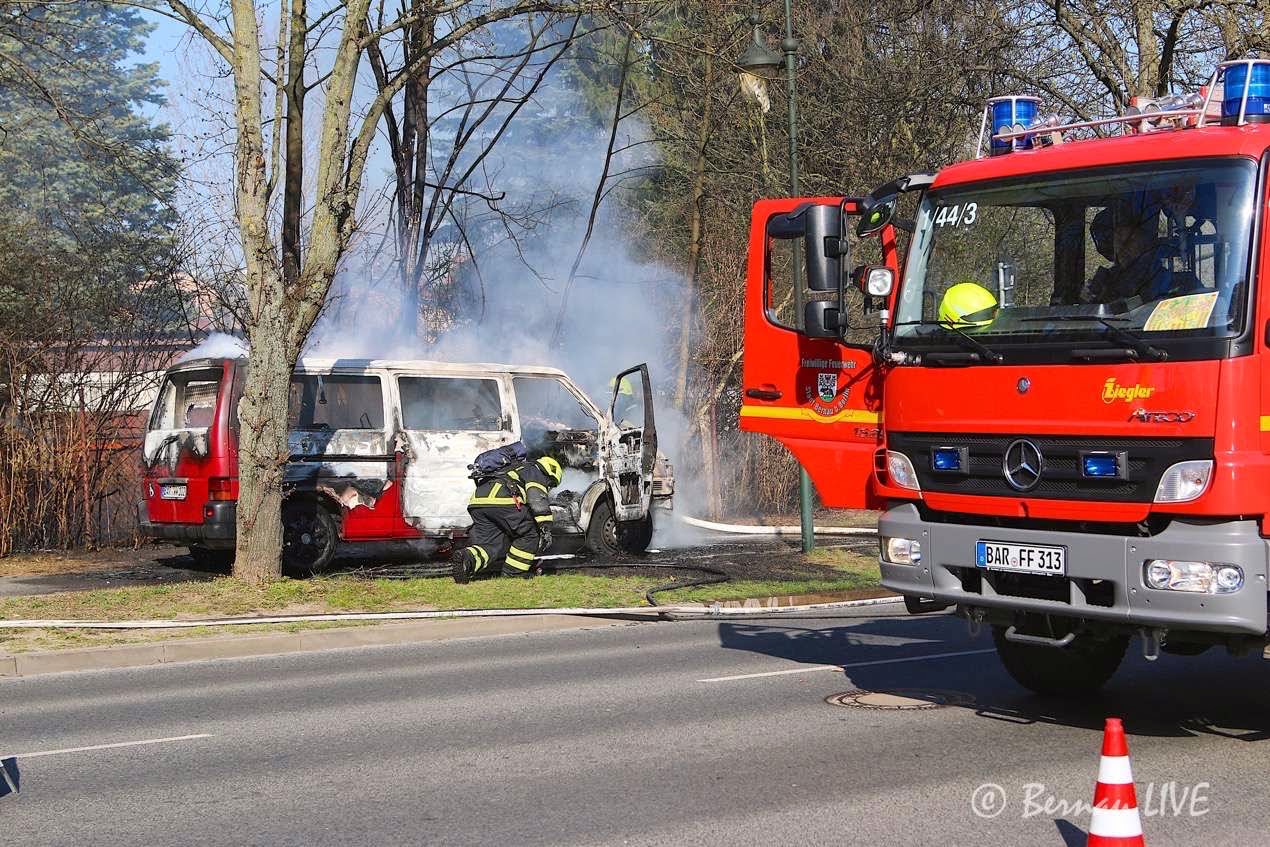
{"x": 759, "y": 61}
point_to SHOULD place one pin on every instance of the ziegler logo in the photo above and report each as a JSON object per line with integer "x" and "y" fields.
{"x": 1113, "y": 391}
{"x": 1143, "y": 416}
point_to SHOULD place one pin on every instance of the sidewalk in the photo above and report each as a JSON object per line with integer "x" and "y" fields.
{"x": 169, "y": 651}
{"x": 271, "y": 644}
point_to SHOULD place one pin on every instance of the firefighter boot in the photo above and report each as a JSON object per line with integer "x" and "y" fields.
{"x": 458, "y": 565}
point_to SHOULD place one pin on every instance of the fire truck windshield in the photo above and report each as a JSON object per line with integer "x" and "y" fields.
{"x": 1113, "y": 259}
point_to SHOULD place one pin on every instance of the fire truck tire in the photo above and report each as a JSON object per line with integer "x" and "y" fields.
{"x": 212, "y": 560}
{"x": 1083, "y": 666}
{"x": 606, "y": 536}
{"x": 309, "y": 537}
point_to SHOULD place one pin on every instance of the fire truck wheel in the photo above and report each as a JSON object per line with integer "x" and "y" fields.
{"x": 1083, "y": 666}
{"x": 605, "y": 536}
{"x": 309, "y": 536}
{"x": 212, "y": 560}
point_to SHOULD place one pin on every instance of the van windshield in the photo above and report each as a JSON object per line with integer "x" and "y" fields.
{"x": 1146, "y": 255}
{"x": 187, "y": 400}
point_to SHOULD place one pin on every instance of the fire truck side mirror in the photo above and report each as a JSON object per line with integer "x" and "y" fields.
{"x": 825, "y": 248}
{"x": 821, "y": 319}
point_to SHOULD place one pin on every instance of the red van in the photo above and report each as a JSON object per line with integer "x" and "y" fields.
{"x": 379, "y": 452}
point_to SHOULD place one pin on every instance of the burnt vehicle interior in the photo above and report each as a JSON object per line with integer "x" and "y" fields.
{"x": 182, "y": 416}
{"x": 554, "y": 422}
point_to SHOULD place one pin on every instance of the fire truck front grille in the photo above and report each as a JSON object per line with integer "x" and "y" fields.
{"x": 1055, "y": 589}
{"x": 1146, "y": 460}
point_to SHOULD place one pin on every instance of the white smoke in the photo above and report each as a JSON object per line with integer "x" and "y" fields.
{"x": 218, "y": 345}
{"x": 621, "y": 309}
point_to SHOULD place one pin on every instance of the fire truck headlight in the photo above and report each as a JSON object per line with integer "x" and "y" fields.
{"x": 900, "y": 471}
{"x": 1184, "y": 482}
{"x": 901, "y": 551}
{"x": 1193, "y": 577}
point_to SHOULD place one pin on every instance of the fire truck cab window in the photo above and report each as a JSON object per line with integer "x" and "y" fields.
{"x": 320, "y": 402}
{"x": 784, "y": 258}
{"x": 786, "y": 264}
{"x": 451, "y": 403}
{"x": 187, "y": 401}
{"x": 1159, "y": 252}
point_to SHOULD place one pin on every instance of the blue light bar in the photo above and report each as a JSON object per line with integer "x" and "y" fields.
{"x": 1253, "y": 79}
{"x": 1100, "y": 465}
{"x": 948, "y": 459}
{"x": 1011, "y": 113}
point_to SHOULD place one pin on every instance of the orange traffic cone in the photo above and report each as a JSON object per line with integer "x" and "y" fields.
{"x": 1115, "y": 821}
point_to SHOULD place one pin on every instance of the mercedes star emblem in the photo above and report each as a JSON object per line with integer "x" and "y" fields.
{"x": 1022, "y": 465}
{"x": 1024, "y": 384}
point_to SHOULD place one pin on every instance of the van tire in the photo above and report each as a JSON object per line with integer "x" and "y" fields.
{"x": 606, "y": 536}
{"x": 309, "y": 537}
{"x": 1081, "y": 667}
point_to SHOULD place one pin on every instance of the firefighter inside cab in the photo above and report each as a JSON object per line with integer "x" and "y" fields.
{"x": 511, "y": 514}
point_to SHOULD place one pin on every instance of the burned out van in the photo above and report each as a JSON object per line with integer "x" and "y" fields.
{"x": 379, "y": 452}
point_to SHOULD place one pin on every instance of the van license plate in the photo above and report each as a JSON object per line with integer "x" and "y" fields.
{"x": 1021, "y": 558}
{"x": 172, "y": 491}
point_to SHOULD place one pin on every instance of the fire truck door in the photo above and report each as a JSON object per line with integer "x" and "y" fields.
{"x": 630, "y": 444}
{"x": 821, "y": 397}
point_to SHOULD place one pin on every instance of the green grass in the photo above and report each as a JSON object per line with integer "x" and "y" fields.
{"x": 225, "y": 597}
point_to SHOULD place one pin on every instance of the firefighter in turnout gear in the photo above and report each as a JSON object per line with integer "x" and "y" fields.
{"x": 511, "y": 521}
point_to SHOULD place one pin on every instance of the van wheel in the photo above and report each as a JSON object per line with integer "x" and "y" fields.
{"x": 1081, "y": 667}
{"x": 606, "y": 536}
{"x": 309, "y": 536}
{"x": 211, "y": 560}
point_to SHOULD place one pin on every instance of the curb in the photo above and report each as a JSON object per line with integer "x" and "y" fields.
{"x": 183, "y": 650}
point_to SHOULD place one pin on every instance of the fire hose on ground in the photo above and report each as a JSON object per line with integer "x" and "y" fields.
{"x": 675, "y": 612}
{"x": 763, "y": 529}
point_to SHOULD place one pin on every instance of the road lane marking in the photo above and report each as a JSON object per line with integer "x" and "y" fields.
{"x": 105, "y": 746}
{"x": 848, "y": 666}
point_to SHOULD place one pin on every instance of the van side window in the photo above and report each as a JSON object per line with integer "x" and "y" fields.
{"x": 450, "y": 403}
{"x": 335, "y": 401}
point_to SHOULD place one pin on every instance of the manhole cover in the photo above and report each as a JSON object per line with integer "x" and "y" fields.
{"x": 901, "y": 699}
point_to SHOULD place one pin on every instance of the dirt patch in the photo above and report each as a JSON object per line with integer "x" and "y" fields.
{"x": 52, "y": 562}
{"x": 752, "y": 560}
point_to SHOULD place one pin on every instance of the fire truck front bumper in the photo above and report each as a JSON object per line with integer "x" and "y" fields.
{"x": 1105, "y": 579}
{"x": 216, "y": 532}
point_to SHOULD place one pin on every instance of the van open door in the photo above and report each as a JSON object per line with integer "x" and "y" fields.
{"x": 810, "y": 380}
{"x": 631, "y": 444}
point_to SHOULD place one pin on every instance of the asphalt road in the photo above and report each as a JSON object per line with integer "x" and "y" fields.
{"x": 669, "y": 733}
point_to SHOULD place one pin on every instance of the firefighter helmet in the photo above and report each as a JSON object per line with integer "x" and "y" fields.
{"x": 967, "y": 304}
{"x": 552, "y": 469}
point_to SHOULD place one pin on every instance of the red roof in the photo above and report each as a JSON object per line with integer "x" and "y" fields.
{"x": 1251, "y": 141}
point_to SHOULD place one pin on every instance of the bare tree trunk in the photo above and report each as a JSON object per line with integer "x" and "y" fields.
{"x": 263, "y": 410}
{"x": 706, "y": 427}
{"x": 688, "y": 308}
{"x": 293, "y": 182}
{"x": 263, "y": 450}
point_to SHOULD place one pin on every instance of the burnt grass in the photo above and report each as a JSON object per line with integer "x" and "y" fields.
{"x": 754, "y": 559}
{"x": 750, "y": 560}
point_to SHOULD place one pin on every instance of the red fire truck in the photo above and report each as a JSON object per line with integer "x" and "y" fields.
{"x": 1066, "y": 411}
